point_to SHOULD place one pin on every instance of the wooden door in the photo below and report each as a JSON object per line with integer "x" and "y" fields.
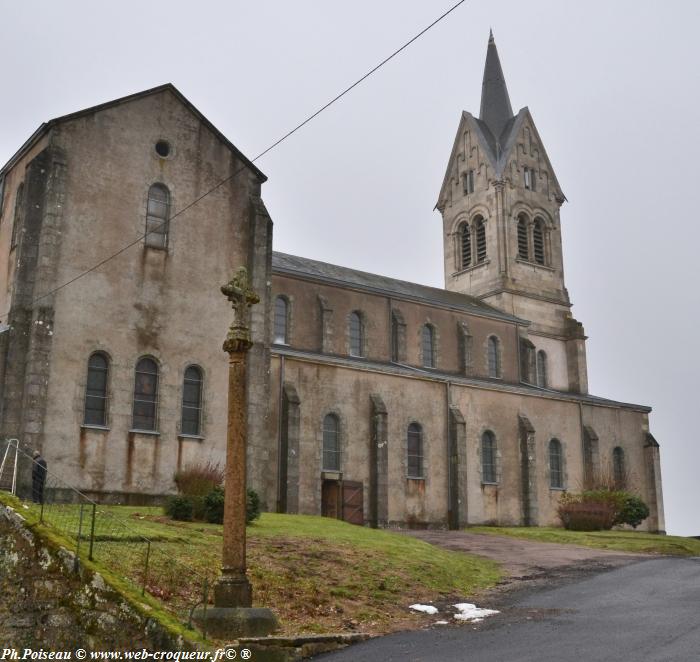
{"x": 330, "y": 498}
{"x": 353, "y": 503}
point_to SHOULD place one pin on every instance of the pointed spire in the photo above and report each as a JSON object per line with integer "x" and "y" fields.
{"x": 495, "y": 103}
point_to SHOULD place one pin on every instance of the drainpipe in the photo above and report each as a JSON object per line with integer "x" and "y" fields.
{"x": 449, "y": 449}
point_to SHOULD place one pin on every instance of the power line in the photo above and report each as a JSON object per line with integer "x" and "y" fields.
{"x": 259, "y": 156}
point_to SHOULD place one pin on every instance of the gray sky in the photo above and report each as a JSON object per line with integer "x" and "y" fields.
{"x": 613, "y": 88}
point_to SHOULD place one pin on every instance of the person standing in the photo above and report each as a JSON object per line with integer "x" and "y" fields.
{"x": 38, "y": 477}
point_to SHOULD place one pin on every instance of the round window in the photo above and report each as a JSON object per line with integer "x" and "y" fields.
{"x": 163, "y": 148}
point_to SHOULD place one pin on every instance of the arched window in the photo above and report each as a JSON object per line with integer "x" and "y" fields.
{"x": 145, "y": 395}
{"x": 17, "y": 219}
{"x": 488, "y": 457}
{"x": 394, "y": 338}
{"x": 414, "y": 451}
{"x": 480, "y": 240}
{"x": 619, "y": 472}
{"x": 538, "y": 240}
{"x": 331, "y": 443}
{"x": 466, "y": 245}
{"x": 494, "y": 358}
{"x": 356, "y": 333}
{"x": 96, "y": 390}
{"x": 523, "y": 247}
{"x": 281, "y": 320}
{"x": 541, "y": 369}
{"x": 556, "y": 464}
{"x": 428, "y": 346}
{"x": 191, "y": 422}
{"x": 157, "y": 216}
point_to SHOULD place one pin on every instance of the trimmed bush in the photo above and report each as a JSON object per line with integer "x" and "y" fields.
{"x": 633, "y": 512}
{"x": 214, "y": 506}
{"x": 587, "y": 515}
{"x": 179, "y": 507}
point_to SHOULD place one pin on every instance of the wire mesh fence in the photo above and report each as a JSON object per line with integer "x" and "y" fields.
{"x": 100, "y": 533}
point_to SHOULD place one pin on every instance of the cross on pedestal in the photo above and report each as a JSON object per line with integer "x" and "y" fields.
{"x": 232, "y": 614}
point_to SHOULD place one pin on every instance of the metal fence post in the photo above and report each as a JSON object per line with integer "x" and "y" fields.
{"x": 92, "y": 530}
{"x": 80, "y": 530}
{"x": 145, "y": 569}
{"x": 41, "y": 512}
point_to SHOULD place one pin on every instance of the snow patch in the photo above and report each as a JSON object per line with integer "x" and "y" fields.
{"x": 426, "y": 609}
{"x": 441, "y": 623}
{"x": 472, "y": 613}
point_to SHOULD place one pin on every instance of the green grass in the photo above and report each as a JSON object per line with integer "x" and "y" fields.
{"x": 318, "y": 574}
{"x": 626, "y": 541}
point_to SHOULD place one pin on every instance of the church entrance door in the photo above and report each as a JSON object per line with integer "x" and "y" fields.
{"x": 330, "y": 499}
{"x": 343, "y": 499}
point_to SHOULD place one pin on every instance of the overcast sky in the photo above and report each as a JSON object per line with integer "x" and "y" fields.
{"x": 613, "y": 88}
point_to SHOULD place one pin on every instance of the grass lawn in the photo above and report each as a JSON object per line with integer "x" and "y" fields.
{"x": 626, "y": 541}
{"x": 317, "y": 574}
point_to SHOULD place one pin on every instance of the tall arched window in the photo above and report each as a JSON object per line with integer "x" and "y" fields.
{"x": 488, "y": 458}
{"x": 281, "y": 320}
{"x": 157, "y": 216}
{"x": 414, "y": 451}
{"x": 556, "y": 464}
{"x": 331, "y": 443}
{"x": 494, "y": 357}
{"x": 145, "y": 395}
{"x": 17, "y": 218}
{"x": 541, "y": 369}
{"x": 96, "y": 390}
{"x": 523, "y": 247}
{"x": 538, "y": 240}
{"x": 356, "y": 334}
{"x": 480, "y": 240}
{"x": 619, "y": 472}
{"x": 466, "y": 245}
{"x": 428, "y": 346}
{"x": 191, "y": 421}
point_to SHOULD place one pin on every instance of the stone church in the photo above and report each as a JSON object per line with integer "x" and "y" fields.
{"x": 371, "y": 399}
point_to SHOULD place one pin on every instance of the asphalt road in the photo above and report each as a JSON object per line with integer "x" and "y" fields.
{"x": 645, "y": 611}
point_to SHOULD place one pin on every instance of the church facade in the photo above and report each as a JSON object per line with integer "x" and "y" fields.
{"x": 374, "y": 400}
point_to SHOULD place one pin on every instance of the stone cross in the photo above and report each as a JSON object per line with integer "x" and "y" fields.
{"x": 242, "y": 297}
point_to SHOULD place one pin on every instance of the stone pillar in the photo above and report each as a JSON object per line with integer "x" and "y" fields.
{"x": 576, "y": 356}
{"x": 528, "y": 466}
{"x": 290, "y": 449}
{"x": 232, "y": 615}
{"x": 458, "y": 516}
{"x": 657, "y": 522}
{"x": 379, "y": 464}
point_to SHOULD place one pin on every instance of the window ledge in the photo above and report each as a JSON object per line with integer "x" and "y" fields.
{"x": 415, "y": 478}
{"x": 557, "y": 489}
{"x": 472, "y": 267}
{"x": 153, "y": 433}
{"x": 191, "y": 436}
{"x": 488, "y": 482}
{"x": 88, "y": 426}
{"x": 530, "y": 263}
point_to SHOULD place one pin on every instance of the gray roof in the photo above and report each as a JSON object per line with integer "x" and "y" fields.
{"x": 496, "y": 111}
{"x": 333, "y": 274}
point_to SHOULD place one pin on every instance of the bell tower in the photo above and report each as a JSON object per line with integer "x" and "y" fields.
{"x": 500, "y": 202}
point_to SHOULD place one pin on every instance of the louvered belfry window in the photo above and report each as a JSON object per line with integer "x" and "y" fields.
{"x": 157, "y": 216}
{"x": 145, "y": 395}
{"x": 96, "y": 390}
{"x": 466, "y": 245}
{"x": 480, "y": 240}
{"x": 191, "y": 421}
{"x": 414, "y": 451}
{"x": 523, "y": 248}
{"x": 538, "y": 241}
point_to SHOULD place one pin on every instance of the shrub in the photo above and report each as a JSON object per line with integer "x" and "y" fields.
{"x": 179, "y": 507}
{"x": 594, "y": 510}
{"x": 199, "y": 479}
{"x": 633, "y": 512}
{"x": 214, "y": 506}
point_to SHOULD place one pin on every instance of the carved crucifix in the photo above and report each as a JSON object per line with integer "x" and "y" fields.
{"x": 242, "y": 297}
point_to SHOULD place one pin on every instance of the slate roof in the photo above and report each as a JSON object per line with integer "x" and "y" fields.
{"x": 282, "y": 263}
{"x": 496, "y": 111}
{"x": 41, "y": 131}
